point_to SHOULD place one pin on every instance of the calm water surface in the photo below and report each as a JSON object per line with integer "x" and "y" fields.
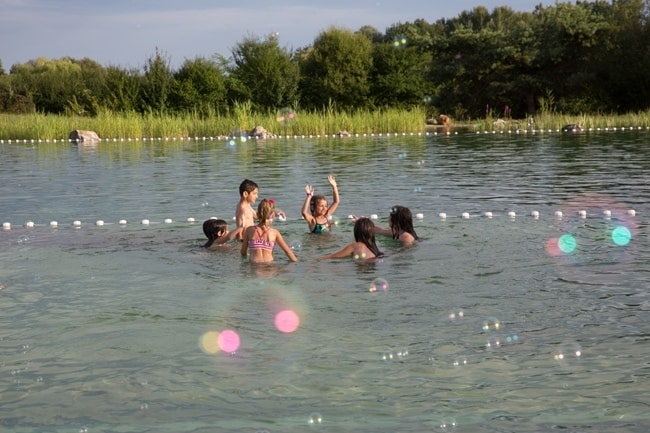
{"x": 485, "y": 325}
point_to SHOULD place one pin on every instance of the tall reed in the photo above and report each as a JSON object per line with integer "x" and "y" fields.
{"x": 131, "y": 125}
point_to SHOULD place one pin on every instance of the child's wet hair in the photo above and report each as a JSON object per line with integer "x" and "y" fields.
{"x": 247, "y": 185}
{"x": 364, "y": 231}
{"x": 212, "y": 228}
{"x": 265, "y": 210}
{"x": 401, "y": 219}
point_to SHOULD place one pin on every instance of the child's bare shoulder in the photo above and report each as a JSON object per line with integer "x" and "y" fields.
{"x": 243, "y": 207}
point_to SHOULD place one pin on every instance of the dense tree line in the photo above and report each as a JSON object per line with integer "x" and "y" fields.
{"x": 583, "y": 57}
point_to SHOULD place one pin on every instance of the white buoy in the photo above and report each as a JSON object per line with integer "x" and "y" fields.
{"x": 631, "y": 212}
{"x": 442, "y": 215}
{"x": 583, "y": 214}
{"x": 145, "y": 222}
{"x": 168, "y": 220}
{"x": 29, "y": 224}
{"x": 558, "y": 213}
{"x": 54, "y": 224}
{"x": 6, "y": 225}
{"x": 373, "y": 216}
{"x": 607, "y": 213}
{"x": 512, "y": 214}
{"x": 76, "y": 223}
{"x": 122, "y": 222}
{"x": 465, "y": 215}
{"x": 419, "y": 216}
{"x": 488, "y": 214}
{"x": 99, "y": 222}
{"x": 190, "y": 220}
{"x": 282, "y": 218}
{"x": 351, "y": 217}
{"x": 535, "y": 214}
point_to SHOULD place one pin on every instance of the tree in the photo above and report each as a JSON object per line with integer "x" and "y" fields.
{"x": 572, "y": 35}
{"x": 201, "y": 87}
{"x": 373, "y": 35}
{"x": 86, "y": 99}
{"x": 157, "y": 84}
{"x": 121, "y": 90}
{"x": 337, "y": 70}
{"x": 263, "y": 73}
{"x": 419, "y": 35}
{"x": 399, "y": 75}
{"x": 50, "y": 84}
{"x": 625, "y": 62}
{"x": 483, "y": 62}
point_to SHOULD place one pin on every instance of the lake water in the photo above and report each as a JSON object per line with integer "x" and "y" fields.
{"x": 501, "y": 323}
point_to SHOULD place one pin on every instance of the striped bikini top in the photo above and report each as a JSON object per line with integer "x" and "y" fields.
{"x": 260, "y": 243}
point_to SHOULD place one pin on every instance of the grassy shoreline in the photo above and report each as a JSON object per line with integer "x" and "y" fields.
{"x": 135, "y": 126}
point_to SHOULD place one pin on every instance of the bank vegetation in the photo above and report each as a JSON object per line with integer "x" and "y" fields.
{"x": 584, "y": 62}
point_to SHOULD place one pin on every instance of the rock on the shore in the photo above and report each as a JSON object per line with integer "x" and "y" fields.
{"x": 81, "y": 136}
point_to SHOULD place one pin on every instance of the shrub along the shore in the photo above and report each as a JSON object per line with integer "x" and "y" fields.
{"x": 109, "y": 125}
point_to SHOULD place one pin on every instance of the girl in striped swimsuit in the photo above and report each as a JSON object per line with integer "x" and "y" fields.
{"x": 259, "y": 240}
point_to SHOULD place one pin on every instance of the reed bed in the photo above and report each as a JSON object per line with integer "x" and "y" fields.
{"x": 242, "y": 119}
{"x": 554, "y": 121}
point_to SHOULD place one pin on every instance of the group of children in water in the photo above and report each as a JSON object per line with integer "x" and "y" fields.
{"x": 258, "y": 240}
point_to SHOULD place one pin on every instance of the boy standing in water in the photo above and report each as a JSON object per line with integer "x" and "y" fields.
{"x": 245, "y": 215}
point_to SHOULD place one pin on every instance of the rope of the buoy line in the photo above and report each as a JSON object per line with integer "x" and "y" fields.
{"x": 511, "y": 215}
{"x": 337, "y": 135}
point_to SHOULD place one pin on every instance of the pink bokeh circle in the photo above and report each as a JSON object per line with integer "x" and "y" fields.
{"x": 287, "y": 321}
{"x": 228, "y": 341}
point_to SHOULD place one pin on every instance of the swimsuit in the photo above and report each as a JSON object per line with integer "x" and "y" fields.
{"x": 321, "y": 228}
{"x": 260, "y": 243}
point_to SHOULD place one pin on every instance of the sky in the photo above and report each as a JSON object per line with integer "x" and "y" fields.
{"x": 126, "y": 33}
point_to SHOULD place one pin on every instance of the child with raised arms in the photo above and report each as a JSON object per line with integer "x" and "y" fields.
{"x": 315, "y": 209}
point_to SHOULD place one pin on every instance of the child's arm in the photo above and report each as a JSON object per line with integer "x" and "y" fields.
{"x": 244, "y": 244}
{"x": 335, "y": 195}
{"x": 345, "y": 252}
{"x": 383, "y": 231}
{"x": 309, "y": 191}
{"x": 286, "y": 248}
{"x": 229, "y": 236}
{"x": 239, "y": 216}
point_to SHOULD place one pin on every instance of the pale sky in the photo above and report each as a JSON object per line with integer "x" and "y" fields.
{"x": 127, "y": 32}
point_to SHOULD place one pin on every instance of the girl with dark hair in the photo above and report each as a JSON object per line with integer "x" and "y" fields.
{"x": 364, "y": 246}
{"x": 216, "y": 230}
{"x": 401, "y": 228}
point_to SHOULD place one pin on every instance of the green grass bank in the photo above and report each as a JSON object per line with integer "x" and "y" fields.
{"x": 110, "y": 125}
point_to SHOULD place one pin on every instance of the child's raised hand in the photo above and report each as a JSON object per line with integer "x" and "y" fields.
{"x": 331, "y": 180}
{"x": 309, "y": 189}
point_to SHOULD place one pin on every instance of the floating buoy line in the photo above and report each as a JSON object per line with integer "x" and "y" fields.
{"x": 442, "y": 216}
{"x": 337, "y": 135}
